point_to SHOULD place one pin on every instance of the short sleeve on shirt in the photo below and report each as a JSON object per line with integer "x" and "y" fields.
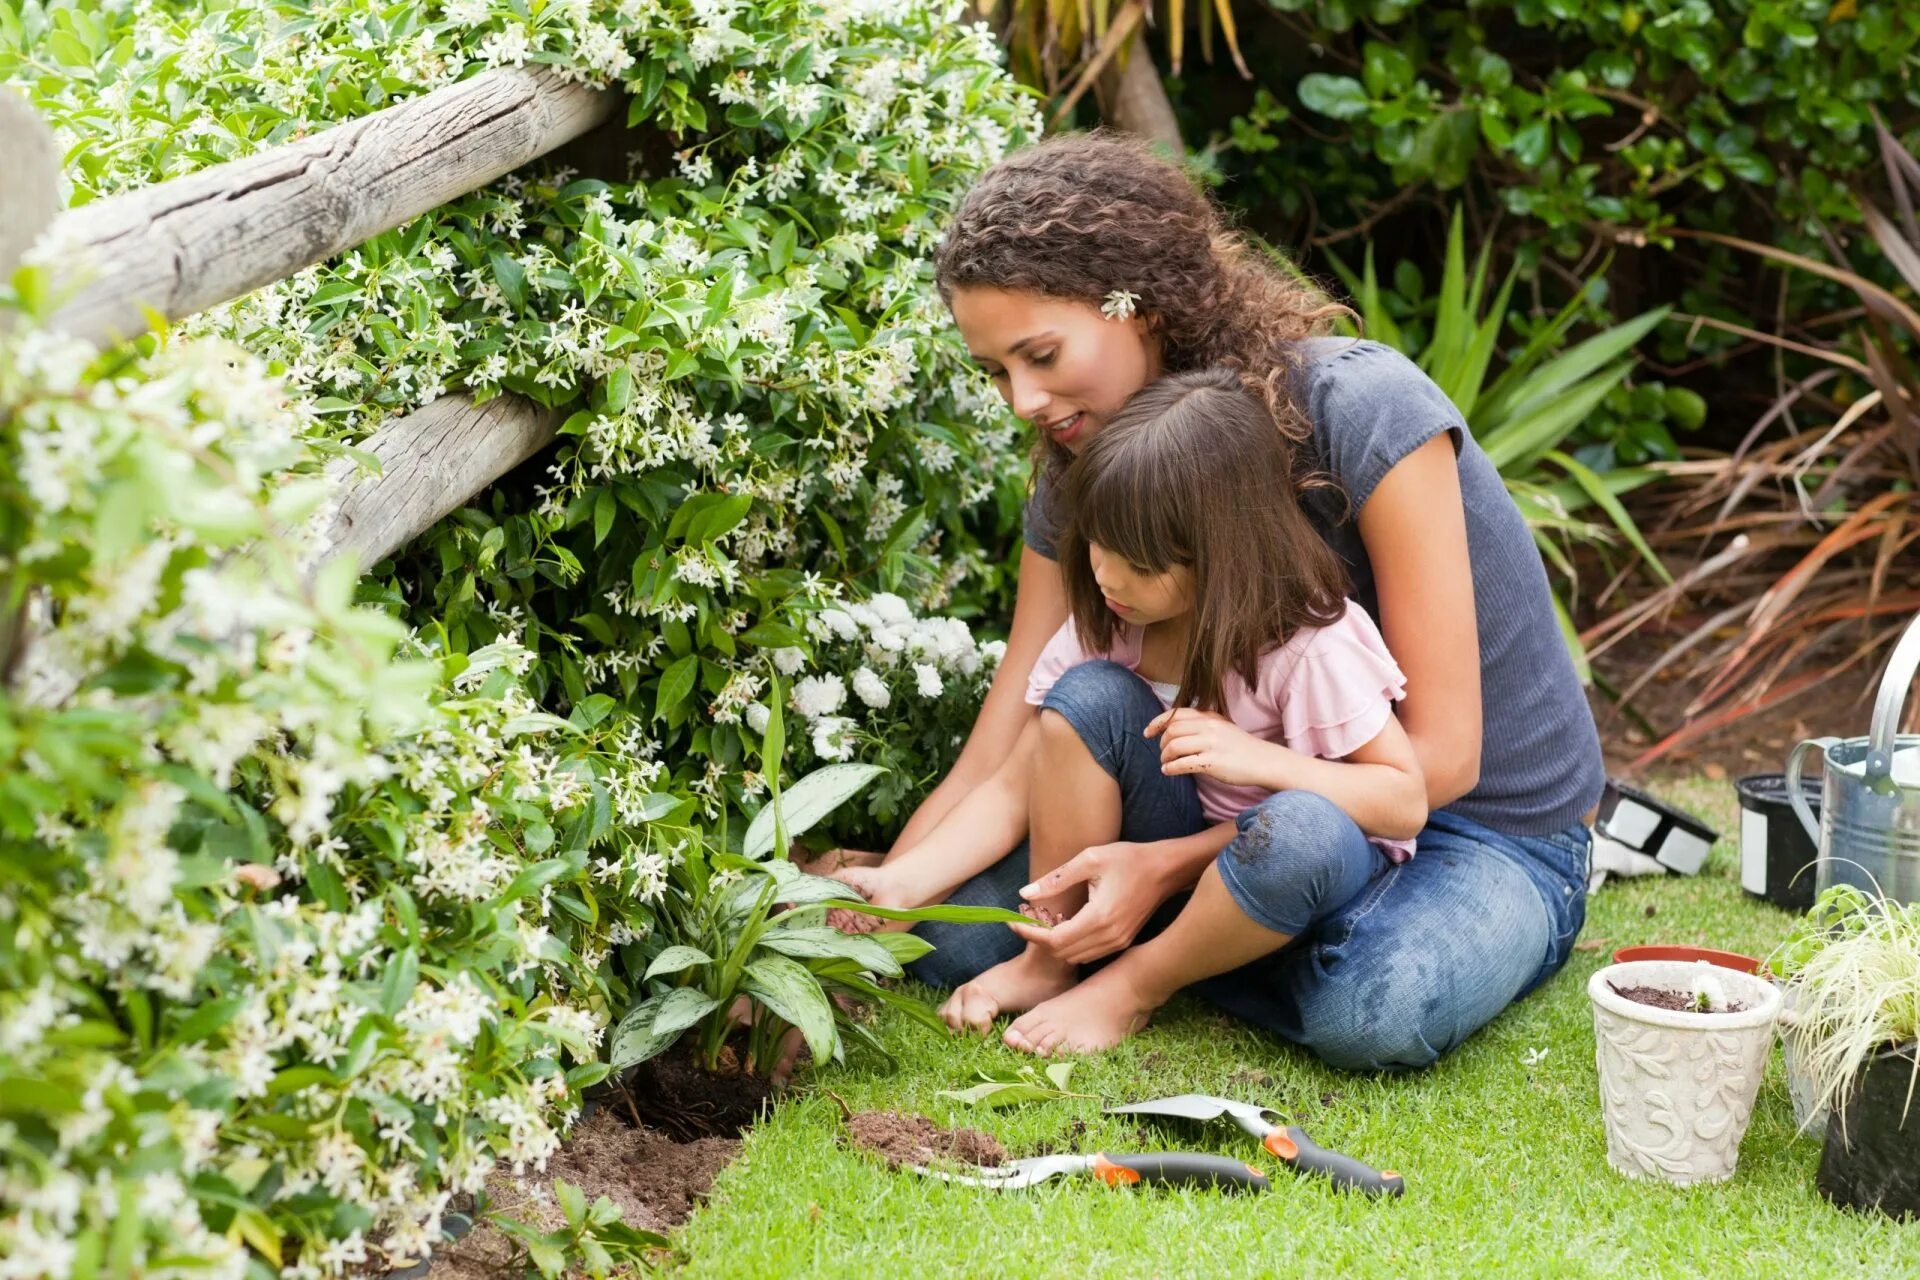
{"x": 1062, "y": 652}
{"x": 1370, "y": 407}
{"x": 1041, "y": 525}
{"x": 1340, "y": 693}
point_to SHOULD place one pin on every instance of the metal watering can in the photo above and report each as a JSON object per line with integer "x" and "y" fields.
{"x": 1868, "y": 831}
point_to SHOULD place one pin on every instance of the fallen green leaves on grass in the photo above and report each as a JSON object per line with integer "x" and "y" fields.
{"x": 1004, "y": 1087}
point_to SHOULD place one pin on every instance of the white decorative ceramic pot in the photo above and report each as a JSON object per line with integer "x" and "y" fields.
{"x": 1676, "y": 1087}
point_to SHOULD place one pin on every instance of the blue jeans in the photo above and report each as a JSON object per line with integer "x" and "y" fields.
{"x": 1393, "y": 965}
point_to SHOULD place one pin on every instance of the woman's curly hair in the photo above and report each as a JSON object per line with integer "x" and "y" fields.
{"x": 1082, "y": 215}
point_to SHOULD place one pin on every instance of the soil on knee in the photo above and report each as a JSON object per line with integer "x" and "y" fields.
{"x": 655, "y": 1181}
{"x": 901, "y": 1139}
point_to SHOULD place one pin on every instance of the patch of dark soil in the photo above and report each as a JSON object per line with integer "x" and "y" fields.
{"x": 1668, "y": 998}
{"x": 655, "y": 1181}
{"x": 671, "y": 1093}
{"x": 907, "y": 1139}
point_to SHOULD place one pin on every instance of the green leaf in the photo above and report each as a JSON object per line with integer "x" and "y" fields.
{"x": 1596, "y": 489}
{"x": 720, "y": 519}
{"x": 634, "y": 1039}
{"x": 535, "y": 878}
{"x": 1010, "y": 1088}
{"x": 1524, "y": 387}
{"x": 675, "y": 959}
{"x": 680, "y": 1008}
{"x": 1341, "y": 97}
{"x": 794, "y": 995}
{"x": 806, "y": 802}
{"x": 604, "y": 507}
{"x": 402, "y": 976}
{"x": 573, "y": 1201}
{"x": 1527, "y": 435}
{"x": 773, "y": 635}
{"x": 676, "y": 684}
{"x": 823, "y": 944}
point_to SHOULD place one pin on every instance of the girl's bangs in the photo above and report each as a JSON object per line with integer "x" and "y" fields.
{"x": 1127, "y": 509}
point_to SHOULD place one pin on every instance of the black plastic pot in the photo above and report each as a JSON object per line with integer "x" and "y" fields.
{"x": 1876, "y": 1164}
{"x": 1776, "y": 853}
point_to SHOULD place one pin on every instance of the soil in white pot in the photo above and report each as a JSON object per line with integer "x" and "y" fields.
{"x": 1677, "y": 1086}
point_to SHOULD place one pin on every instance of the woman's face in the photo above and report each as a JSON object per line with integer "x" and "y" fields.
{"x": 1061, "y": 365}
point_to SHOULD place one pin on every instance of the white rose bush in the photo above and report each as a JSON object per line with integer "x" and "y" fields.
{"x": 319, "y": 893}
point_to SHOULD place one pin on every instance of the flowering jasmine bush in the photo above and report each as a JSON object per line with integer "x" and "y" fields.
{"x": 275, "y": 910}
{"x": 311, "y": 913}
{"x": 766, "y": 377}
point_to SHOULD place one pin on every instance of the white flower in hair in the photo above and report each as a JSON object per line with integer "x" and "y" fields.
{"x": 1119, "y": 304}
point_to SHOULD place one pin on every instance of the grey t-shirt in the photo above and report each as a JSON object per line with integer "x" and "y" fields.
{"x": 1370, "y": 406}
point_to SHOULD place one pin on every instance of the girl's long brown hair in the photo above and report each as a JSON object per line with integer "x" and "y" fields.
{"x": 1191, "y": 472}
{"x": 1080, "y": 216}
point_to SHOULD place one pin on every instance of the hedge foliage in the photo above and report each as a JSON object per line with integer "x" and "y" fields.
{"x": 312, "y": 911}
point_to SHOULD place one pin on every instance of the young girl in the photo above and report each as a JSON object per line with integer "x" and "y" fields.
{"x": 1212, "y": 678}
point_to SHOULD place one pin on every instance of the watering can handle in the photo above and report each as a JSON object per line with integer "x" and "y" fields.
{"x": 1887, "y": 704}
{"x": 1795, "y": 795}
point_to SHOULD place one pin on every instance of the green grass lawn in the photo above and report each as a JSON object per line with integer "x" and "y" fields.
{"x": 1505, "y": 1164}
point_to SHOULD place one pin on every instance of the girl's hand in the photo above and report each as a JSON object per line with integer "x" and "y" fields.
{"x": 1206, "y": 742}
{"x": 1123, "y": 889}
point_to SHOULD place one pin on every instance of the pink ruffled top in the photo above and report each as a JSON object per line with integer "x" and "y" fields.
{"x": 1326, "y": 692}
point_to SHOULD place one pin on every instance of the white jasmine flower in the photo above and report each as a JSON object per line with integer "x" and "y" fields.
{"x": 1119, "y": 304}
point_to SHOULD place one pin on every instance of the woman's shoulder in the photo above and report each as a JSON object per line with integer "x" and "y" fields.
{"x": 1360, "y": 377}
{"x": 1369, "y": 406}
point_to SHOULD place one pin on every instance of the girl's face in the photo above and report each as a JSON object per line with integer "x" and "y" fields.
{"x": 1137, "y": 596}
{"x": 1060, "y": 364}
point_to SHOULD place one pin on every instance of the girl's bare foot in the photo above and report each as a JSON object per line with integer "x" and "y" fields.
{"x": 1033, "y": 976}
{"x": 1097, "y": 1014}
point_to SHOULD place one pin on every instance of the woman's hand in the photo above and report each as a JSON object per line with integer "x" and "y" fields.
{"x": 1124, "y": 886}
{"x": 1207, "y": 742}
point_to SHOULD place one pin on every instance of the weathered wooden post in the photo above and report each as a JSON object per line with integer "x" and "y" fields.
{"x": 29, "y": 201}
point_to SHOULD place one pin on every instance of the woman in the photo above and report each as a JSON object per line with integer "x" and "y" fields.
{"x": 1080, "y": 270}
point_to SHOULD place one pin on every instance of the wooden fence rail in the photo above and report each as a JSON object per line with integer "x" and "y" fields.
{"x": 182, "y": 246}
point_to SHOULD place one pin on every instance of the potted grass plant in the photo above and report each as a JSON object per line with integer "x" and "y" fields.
{"x": 1834, "y": 915}
{"x": 1681, "y": 1048}
{"x": 1856, "y": 1032}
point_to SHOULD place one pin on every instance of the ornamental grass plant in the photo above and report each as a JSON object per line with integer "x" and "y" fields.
{"x": 1857, "y": 996}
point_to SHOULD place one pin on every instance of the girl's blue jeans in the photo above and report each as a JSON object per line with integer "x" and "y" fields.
{"x": 1391, "y": 966}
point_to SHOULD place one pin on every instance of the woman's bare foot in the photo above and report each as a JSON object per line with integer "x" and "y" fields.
{"x": 1033, "y": 976}
{"x": 1098, "y": 1014}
